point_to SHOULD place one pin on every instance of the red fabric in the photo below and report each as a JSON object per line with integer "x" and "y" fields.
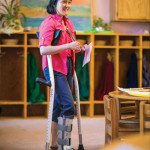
{"x": 106, "y": 84}
{"x": 46, "y": 30}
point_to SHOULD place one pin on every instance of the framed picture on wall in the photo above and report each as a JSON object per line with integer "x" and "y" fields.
{"x": 80, "y": 13}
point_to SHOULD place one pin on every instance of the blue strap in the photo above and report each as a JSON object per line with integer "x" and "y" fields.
{"x": 65, "y": 128}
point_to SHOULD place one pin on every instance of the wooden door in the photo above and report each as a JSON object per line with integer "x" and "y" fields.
{"x": 133, "y": 9}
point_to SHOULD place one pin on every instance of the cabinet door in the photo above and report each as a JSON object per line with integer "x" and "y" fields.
{"x": 133, "y": 9}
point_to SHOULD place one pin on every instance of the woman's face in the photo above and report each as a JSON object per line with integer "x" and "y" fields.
{"x": 63, "y": 7}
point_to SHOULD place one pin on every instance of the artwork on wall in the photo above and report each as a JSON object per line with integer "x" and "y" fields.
{"x": 35, "y": 11}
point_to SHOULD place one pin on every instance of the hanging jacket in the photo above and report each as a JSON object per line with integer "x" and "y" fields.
{"x": 145, "y": 73}
{"x": 83, "y": 78}
{"x": 132, "y": 74}
{"x": 34, "y": 95}
{"x": 106, "y": 84}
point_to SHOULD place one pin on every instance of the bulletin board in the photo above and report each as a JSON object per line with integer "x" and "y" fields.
{"x": 80, "y": 13}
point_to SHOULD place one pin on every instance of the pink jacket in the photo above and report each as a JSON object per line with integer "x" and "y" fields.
{"x": 46, "y": 31}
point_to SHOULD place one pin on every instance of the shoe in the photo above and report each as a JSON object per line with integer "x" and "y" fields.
{"x": 53, "y": 148}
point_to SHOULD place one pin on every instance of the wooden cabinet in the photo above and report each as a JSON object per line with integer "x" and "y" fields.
{"x": 130, "y": 10}
{"x": 13, "y": 71}
{"x": 121, "y": 58}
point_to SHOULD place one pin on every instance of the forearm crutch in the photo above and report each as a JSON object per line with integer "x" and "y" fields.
{"x": 50, "y": 83}
{"x": 51, "y": 102}
{"x": 78, "y": 111}
{"x": 78, "y": 104}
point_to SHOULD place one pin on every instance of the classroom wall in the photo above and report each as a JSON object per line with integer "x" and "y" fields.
{"x": 101, "y": 8}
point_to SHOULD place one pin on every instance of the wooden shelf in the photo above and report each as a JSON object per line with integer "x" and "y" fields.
{"x": 104, "y": 47}
{"x": 43, "y": 103}
{"x": 98, "y": 102}
{"x": 146, "y": 48}
{"x": 12, "y": 46}
{"x": 82, "y": 33}
{"x": 12, "y": 103}
{"x": 13, "y": 95}
{"x": 83, "y": 102}
{"x": 129, "y": 47}
{"x": 33, "y": 46}
{"x": 98, "y": 116}
{"x": 37, "y": 117}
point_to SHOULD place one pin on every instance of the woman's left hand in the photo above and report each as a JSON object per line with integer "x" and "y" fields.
{"x": 82, "y": 49}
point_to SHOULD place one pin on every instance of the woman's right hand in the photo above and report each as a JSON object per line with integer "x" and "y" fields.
{"x": 74, "y": 45}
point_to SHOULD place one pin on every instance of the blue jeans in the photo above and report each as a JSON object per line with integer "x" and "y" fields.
{"x": 63, "y": 99}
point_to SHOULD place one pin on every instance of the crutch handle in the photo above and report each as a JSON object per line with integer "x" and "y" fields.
{"x": 40, "y": 80}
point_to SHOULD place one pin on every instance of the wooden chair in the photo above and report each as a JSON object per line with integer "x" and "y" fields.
{"x": 144, "y": 117}
{"x": 114, "y": 126}
{"x": 111, "y": 119}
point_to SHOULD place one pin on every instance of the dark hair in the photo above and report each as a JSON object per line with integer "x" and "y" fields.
{"x": 51, "y": 7}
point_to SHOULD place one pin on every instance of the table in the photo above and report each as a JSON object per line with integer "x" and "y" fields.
{"x": 123, "y": 95}
{"x": 119, "y": 95}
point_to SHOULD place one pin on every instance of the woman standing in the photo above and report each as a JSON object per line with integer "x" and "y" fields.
{"x": 63, "y": 61}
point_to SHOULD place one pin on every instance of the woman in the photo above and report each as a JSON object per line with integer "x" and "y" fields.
{"x": 63, "y": 60}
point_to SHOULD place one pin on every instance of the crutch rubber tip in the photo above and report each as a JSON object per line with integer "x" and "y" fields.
{"x": 47, "y": 146}
{"x": 81, "y": 147}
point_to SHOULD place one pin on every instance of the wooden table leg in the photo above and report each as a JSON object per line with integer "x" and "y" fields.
{"x": 141, "y": 117}
{"x": 118, "y": 109}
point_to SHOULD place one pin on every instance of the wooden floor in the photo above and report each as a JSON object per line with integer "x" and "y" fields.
{"x": 31, "y": 134}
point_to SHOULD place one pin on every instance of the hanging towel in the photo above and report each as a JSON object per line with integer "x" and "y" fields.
{"x": 145, "y": 73}
{"x": 34, "y": 95}
{"x": 106, "y": 84}
{"x": 83, "y": 78}
{"x": 132, "y": 76}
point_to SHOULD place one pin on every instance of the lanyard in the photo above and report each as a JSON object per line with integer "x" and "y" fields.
{"x": 70, "y": 34}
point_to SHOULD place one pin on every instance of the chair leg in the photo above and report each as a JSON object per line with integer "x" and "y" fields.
{"x": 137, "y": 110}
{"x": 115, "y": 119}
{"x": 141, "y": 117}
{"x": 105, "y": 133}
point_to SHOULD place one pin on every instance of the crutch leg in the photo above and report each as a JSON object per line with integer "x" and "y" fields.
{"x": 81, "y": 147}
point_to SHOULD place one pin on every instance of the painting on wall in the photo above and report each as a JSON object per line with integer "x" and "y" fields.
{"x": 35, "y": 11}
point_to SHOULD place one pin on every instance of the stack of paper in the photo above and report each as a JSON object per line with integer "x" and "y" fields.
{"x": 144, "y": 92}
{"x": 87, "y": 55}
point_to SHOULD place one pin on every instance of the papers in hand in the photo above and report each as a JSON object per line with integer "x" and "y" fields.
{"x": 136, "y": 91}
{"x": 87, "y": 55}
